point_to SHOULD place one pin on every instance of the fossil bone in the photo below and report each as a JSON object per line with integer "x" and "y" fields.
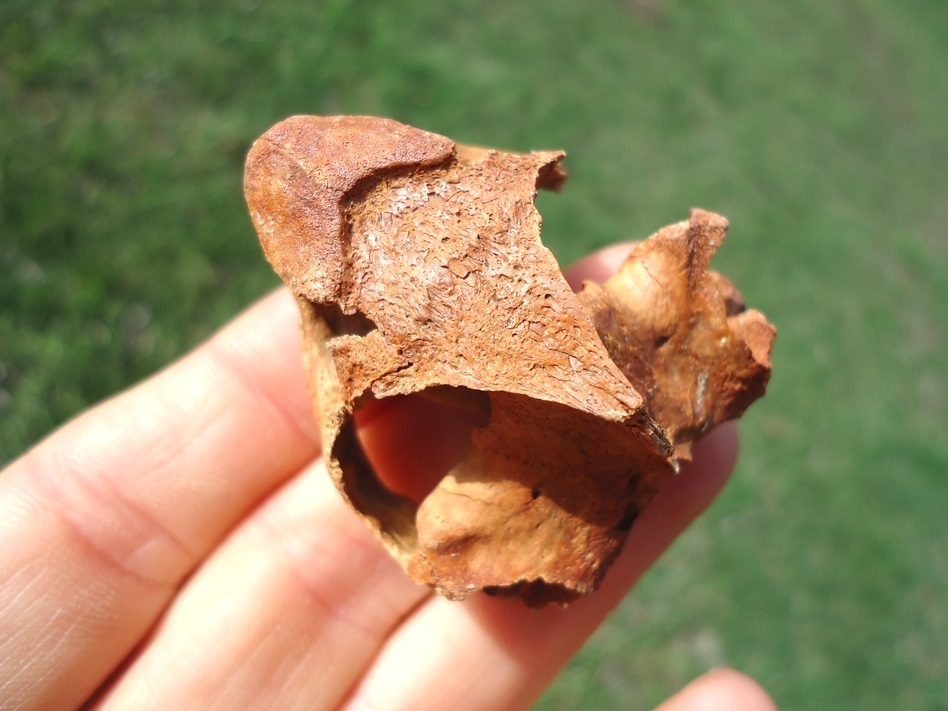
{"x": 418, "y": 268}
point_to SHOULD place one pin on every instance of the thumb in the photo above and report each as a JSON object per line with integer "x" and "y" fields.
{"x": 719, "y": 690}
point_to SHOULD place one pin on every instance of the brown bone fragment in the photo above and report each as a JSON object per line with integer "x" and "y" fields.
{"x": 418, "y": 267}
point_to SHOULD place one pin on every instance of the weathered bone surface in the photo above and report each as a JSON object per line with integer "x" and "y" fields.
{"x": 418, "y": 266}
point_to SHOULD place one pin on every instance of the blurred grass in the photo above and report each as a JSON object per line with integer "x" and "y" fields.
{"x": 818, "y": 128}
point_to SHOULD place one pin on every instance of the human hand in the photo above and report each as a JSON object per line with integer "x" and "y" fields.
{"x": 181, "y": 546}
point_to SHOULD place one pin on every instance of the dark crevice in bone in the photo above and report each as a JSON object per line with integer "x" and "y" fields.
{"x": 343, "y": 324}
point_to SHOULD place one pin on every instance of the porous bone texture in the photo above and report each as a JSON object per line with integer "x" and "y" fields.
{"x": 418, "y": 268}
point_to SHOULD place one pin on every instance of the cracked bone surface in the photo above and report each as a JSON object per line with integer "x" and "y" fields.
{"x": 418, "y": 268}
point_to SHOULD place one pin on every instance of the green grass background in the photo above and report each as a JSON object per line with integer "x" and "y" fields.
{"x": 820, "y": 129}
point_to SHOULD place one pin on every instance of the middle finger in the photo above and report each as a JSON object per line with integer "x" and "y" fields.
{"x": 286, "y": 614}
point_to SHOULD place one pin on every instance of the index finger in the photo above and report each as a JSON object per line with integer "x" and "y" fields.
{"x": 100, "y": 523}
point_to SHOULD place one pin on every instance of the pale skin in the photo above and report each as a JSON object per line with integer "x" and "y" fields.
{"x": 181, "y": 546}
